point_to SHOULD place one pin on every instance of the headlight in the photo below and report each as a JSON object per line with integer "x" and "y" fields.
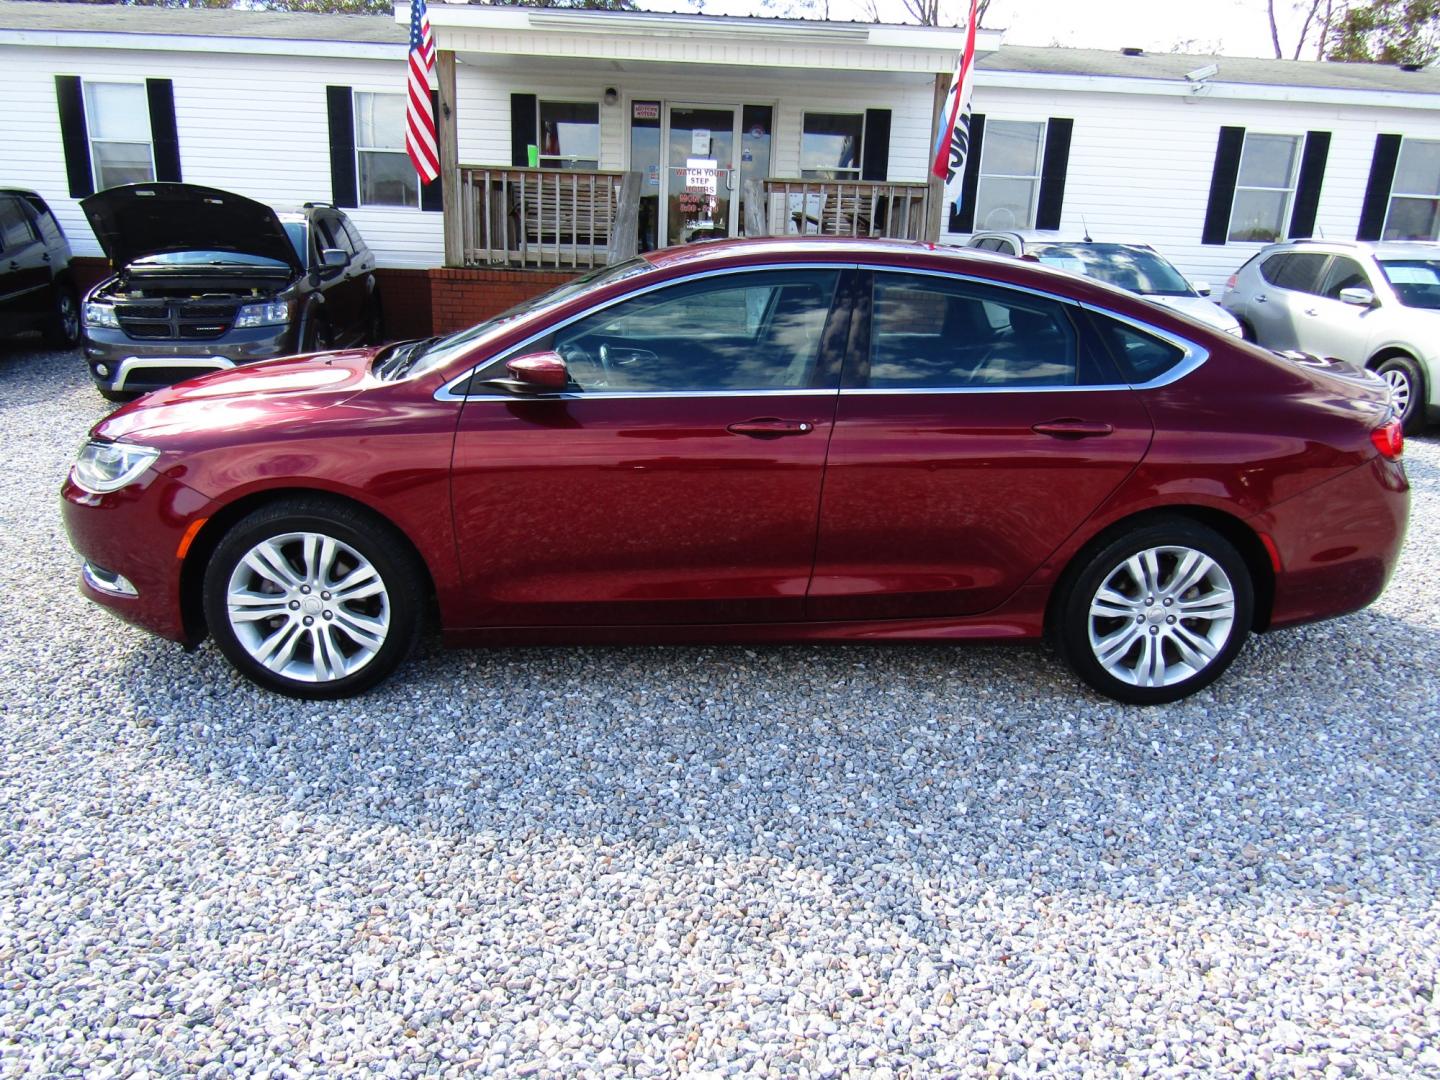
{"x": 101, "y": 315}
{"x": 102, "y": 467}
{"x": 272, "y": 314}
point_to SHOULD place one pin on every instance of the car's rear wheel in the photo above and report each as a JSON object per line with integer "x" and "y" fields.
{"x": 63, "y": 329}
{"x": 1156, "y": 614}
{"x": 313, "y": 598}
{"x": 1407, "y": 391}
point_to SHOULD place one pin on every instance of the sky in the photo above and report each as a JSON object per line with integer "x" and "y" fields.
{"x": 1232, "y": 27}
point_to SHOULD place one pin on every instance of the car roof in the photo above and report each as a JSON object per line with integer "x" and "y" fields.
{"x": 8, "y": 189}
{"x": 1382, "y": 249}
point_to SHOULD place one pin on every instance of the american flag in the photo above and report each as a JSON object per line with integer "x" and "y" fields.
{"x": 953, "y": 140}
{"x": 420, "y": 141}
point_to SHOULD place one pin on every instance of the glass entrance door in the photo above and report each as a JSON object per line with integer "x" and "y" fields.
{"x": 702, "y": 174}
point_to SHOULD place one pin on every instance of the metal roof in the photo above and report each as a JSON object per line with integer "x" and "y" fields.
{"x": 1171, "y": 67}
{"x": 198, "y": 22}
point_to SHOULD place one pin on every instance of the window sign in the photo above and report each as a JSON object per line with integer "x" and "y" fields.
{"x": 700, "y": 142}
{"x": 646, "y": 110}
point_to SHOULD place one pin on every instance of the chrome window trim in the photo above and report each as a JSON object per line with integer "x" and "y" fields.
{"x": 447, "y": 392}
{"x": 1195, "y": 355}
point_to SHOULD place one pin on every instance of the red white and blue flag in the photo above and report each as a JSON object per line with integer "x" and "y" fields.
{"x": 420, "y": 140}
{"x": 952, "y": 142}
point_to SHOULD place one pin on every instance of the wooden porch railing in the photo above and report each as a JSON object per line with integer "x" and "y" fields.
{"x": 546, "y": 218}
{"x": 847, "y": 208}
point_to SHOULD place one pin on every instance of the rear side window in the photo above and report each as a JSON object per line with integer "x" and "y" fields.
{"x": 1141, "y": 356}
{"x": 935, "y": 333}
{"x": 1299, "y": 272}
{"x": 15, "y": 228}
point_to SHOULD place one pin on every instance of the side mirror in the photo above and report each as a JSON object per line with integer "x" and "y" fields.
{"x": 1201, "y": 287}
{"x": 1358, "y": 296}
{"x": 534, "y": 373}
{"x": 334, "y": 259}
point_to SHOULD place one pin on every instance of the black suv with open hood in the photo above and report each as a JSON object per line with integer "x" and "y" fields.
{"x": 207, "y": 279}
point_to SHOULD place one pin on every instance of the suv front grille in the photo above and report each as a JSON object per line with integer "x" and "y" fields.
{"x": 176, "y": 320}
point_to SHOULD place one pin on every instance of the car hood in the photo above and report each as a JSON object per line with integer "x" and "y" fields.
{"x": 137, "y": 220}
{"x": 289, "y": 391}
{"x": 1200, "y": 308}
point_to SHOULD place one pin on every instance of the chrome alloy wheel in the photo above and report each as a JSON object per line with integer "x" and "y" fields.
{"x": 308, "y": 607}
{"x": 1400, "y": 390}
{"x": 1161, "y": 616}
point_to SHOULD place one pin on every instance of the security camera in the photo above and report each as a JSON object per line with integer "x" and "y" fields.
{"x": 1209, "y": 71}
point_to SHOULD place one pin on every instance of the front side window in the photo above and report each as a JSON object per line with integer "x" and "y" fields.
{"x": 387, "y": 176}
{"x": 1416, "y": 281}
{"x": 1414, "y": 212}
{"x": 831, "y": 146}
{"x": 935, "y": 333}
{"x": 1343, "y": 274}
{"x": 1010, "y": 157}
{"x": 569, "y": 134}
{"x": 118, "y": 119}
{"x": 1265, "y": 187}
{"x": 752, "y": 331}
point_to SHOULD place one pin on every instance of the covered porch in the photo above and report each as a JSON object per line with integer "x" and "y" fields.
{"x": 574, "y": 139}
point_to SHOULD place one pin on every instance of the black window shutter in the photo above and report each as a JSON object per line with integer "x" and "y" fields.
{"x": 875, "y": 160}
{"x": 522, "y": 128}
{"x": 1377, "y": 191}
{"x": 1222, "y": 185}
{"x": 1052, "y": 173}
{"x": 963, "y": 219}
{"x": 343, "y": 187}
{"x": 1307, "y": 190}
{"x": 432, "y": 194}
{"x": 73, "y": 135}
{"x": 164, "y": 137}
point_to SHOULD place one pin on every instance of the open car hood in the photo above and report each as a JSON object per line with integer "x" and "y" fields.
{"x": 137, "y": 220}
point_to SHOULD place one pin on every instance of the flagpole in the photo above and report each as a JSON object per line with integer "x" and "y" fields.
{"x": 935, "y": 200}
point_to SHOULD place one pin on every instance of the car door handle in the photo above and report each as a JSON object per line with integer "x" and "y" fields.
{"x": 1311, "y": 311}
{"x": 768, "y": 427}
{"x": 1072, "y": 429}
{"x": 1262, "y": 299}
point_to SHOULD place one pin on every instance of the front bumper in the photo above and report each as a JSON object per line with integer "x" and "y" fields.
{"x": 135, "y": 535}
{"x": 136, "y": 366}
{"x": 1338, "y": 543}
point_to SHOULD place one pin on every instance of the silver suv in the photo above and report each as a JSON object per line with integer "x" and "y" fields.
{"x": 1374, "y": 305}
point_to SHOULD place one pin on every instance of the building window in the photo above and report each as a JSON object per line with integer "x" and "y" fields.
{"x": 118, "y": 121}
{"x": 569, "y": 134}
{"x": 1010, "y": 157}
{"x": 832, "y": 146}
{"x": 387, "y": 176}
{"x": 1414, "y": 212}
{"x": 1265, "y": 187}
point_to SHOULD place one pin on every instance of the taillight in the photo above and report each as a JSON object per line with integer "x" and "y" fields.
{"x": 1230, "y": 285}
{"x": 1389, "y": 440}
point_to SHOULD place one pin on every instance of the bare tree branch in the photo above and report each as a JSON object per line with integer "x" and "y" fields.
{"x": 1274, "y": 29}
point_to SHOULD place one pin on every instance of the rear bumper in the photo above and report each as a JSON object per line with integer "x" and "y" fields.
{"x": 130, "y": 541}
{"x": 1337, "y": 543}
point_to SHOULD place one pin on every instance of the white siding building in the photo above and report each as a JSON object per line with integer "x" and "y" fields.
{"x": 1204, "y": 157}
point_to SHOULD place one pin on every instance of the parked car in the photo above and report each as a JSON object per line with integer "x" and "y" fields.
{"x": 1137, "y": 268}
{"x": 206, "y": 279}
{"x": 1374, "y": 305}
{"x": 1006, "y": 451}
{"x": 37, "y": 291}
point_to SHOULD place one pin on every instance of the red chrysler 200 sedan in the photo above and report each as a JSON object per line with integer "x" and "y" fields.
{"x": 792, "y": 440}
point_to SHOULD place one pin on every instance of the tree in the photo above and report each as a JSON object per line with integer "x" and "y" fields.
{"x": 1388, "y": 32}
{"x": 1318, "y": 15}
{"x": 928, "y": 12}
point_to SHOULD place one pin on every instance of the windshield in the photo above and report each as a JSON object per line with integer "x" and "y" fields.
{"x": 446, "y": 349}
{"x": 295, "y": 230}
{"x": 1415, "y": 281}
{"x": 1135, "y": 268}
{"x": 206, "y": 258}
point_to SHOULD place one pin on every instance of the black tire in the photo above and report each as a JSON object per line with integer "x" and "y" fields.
{"x": 368, "y": 538}
{"x": 1402, "y": 371}
{"x": 319, "y": 337}
{"x": 1247, "y": 332}
{"x": 375, "y": 324}
{"x": 1164, "y": 623}
{"x": 63, "y": 329}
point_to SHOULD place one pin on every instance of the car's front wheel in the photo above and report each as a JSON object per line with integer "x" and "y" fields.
{"x": 1407, "y": 391}
{"x": 1156, "y": 614}
{"x": 313, "y": 598}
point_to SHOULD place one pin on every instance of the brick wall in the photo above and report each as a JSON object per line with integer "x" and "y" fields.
{"x": 461, "y": 298}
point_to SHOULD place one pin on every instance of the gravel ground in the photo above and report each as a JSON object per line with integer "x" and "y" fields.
{"x": 706, "y": 861}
